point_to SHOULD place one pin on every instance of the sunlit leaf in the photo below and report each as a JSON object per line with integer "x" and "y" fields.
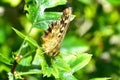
{"x": 85, "y": 1}
{"x": 36, "y": 12}
{"x": 4, "y": 59}
{"x": 77, "y": 61}
{"x": 67, "y": 76}
{"x": 114, "y": 2}
{"x": 101, "y": 79}
{"x": 53, "y": 3}
{"x": 30, "y": 40}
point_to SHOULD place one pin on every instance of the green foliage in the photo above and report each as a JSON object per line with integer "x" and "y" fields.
{"x": 28, "y": 39}
{"x": 115, "y": 2}
{"x": 36, "y": 12}
{"x": 100, "y": 79}
{"x": 90, "y": 50}
{"x": 62, "y": 66}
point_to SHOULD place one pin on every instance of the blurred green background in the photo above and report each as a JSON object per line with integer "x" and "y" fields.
{"x": 96, "y": 25}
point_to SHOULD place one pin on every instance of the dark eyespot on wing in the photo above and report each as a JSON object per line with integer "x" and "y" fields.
{"x": 49, "y": 29}
{"x": 62, "y": 21}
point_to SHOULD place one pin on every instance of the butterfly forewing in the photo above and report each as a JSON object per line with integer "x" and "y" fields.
{"x": 54, "y": 35}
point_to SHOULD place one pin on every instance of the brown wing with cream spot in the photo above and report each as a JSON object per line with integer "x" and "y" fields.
{"x": 54, "y": 35}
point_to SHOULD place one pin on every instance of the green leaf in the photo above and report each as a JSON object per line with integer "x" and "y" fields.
{"x": 19, "y": 33}
{"x": 71, "y": 39}
{"x": 38, "y": 17}
{"x": 46, "y": 19}
{"x": 40, "y": 61}
{"x": 101, "y": 78}
{"x": 85, "y": 1}
{"x": 77, "y": 61}
{"x": 36, "y": 9}
{"x": 24, "y": 65}
{"x": 61, "y": 64}
{"x": 114, "y": 2}
{"x": 26, "y": 61}
{"x": 53, "y": 3}
{"x": 62, "y": 67}
{"x": 30, "y": 40}
{"x": 47, "y": 71}
{"x": 67, "y": 76}
{"x": 55, "y": 72}
{"x": 59, "y": 67}
{"x": 32, "y": 71}
{"x": 4, "y": 59}
{"x": 29, "y": 65}
{"x": 78, "y": 45}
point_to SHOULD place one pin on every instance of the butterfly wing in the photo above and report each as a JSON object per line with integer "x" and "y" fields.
{"x": 54, "y": 35}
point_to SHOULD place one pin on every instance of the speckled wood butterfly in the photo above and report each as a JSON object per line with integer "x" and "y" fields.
{"x": 54, "y": 35}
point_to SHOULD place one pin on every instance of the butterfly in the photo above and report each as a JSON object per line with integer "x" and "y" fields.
{"x": 54, "y": 35}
